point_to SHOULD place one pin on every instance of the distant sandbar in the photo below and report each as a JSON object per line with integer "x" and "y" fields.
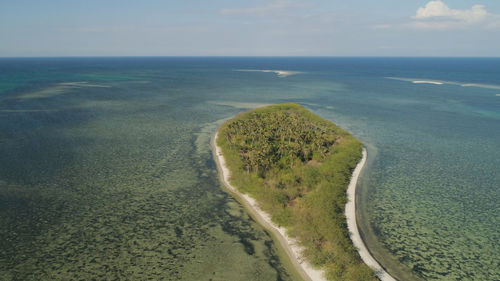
{"x": 427, "y": 82}
{"x": 280, "y": 73}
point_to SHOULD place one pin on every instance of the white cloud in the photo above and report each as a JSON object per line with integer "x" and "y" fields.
{"x": 437, "y": 15}
{"x": 439, "y": 10}
{"x": 264, "y": 9}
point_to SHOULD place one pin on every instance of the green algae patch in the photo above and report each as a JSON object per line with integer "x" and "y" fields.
{"x": 298, "y": 166}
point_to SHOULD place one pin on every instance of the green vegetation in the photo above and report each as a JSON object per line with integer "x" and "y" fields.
{"x": 298, "y": 166}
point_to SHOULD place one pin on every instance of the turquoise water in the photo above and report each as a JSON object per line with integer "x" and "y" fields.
{"x": 106, "y": 170}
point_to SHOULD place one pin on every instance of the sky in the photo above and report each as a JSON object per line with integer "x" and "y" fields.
{"x": 249, "y": 28}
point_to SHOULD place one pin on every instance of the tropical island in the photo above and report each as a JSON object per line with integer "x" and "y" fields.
{"x": 296, "y": 167}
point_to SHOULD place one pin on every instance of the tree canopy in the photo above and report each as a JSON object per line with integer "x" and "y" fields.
{"x": 298, "y": 166}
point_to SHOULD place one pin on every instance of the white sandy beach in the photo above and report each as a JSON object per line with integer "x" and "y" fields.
{"x": 350, "y": 213}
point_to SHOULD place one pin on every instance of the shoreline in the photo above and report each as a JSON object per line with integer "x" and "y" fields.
{"x": 350, "y": 213}
{"x": 289, "y": 244}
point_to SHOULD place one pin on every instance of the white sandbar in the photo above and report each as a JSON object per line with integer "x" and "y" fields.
{"x": 280, "y": 73}
{"x": 427, "y": 82}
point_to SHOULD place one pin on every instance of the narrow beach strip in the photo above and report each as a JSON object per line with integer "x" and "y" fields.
{"x": 350, "y": 213}
{"x": 289, "y": 244}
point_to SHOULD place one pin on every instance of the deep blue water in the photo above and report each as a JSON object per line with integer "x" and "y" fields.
{"x": 105, "y": 169}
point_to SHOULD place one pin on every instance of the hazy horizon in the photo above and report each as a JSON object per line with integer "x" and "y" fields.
{"x": 290, "y": 28}
{"x": 243, "y": 56}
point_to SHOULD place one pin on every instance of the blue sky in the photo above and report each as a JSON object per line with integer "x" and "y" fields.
{"x": 249, "y": 28}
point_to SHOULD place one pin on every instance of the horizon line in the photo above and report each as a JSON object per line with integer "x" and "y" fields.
{"x": 237, "y": 56}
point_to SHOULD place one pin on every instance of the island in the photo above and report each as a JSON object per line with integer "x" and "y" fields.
{"x": 291, "y": 169}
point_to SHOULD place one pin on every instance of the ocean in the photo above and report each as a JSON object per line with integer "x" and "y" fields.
{"x": 106, "y": 170}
